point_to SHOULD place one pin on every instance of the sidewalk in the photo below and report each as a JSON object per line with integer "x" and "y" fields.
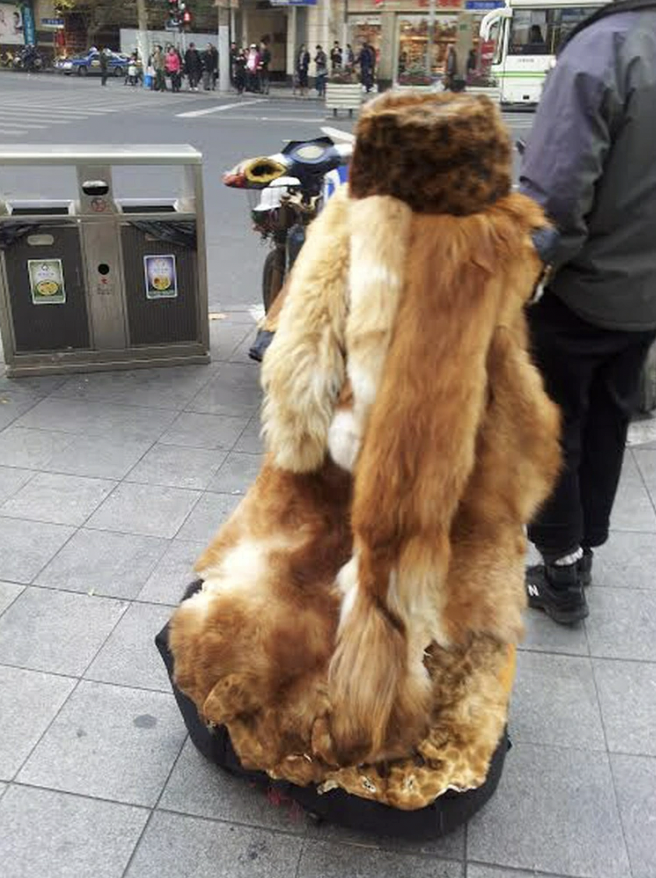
{"x": 110, "y": 484}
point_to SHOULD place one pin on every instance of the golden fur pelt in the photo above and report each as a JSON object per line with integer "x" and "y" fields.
{"x": 409, "y": 442}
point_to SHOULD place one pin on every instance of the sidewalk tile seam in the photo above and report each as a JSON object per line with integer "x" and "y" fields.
{"x": 155, "y": 806}
{"x": 301, "y": 851}
{"x": 636, "y": 461}
{"x": 41, "y": 569}
{"x": 509, "y": 871}
{"x": 95, "y": 594}
{"x": 22, "y": 587}
{"x": 84, "y": 796}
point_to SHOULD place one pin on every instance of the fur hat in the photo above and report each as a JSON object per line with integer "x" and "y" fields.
{"x": 441, "y": 153}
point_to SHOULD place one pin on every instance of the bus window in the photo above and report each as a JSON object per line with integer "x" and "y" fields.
{"x": 529, "y": 32}
{"x": 541, "y": 31}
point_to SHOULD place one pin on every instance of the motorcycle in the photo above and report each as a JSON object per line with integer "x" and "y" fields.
{"x": 29, "y": 60}
{"x": 287, "y": 191}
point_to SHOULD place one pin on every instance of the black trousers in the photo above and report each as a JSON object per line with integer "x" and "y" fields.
{"x": 594, "y": 376}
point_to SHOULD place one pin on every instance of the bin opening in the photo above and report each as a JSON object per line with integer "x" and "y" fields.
{"x": 40, "y": 210}
{"x": 148, "y": 208}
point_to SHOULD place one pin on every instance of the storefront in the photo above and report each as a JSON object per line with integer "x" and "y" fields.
{"x": 400, "y": 32}
{"x": 16, "y": 24}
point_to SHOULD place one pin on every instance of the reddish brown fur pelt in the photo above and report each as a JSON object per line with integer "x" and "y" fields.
{"x": 444, "y": 153}
{"x": 440, "y": 423}
{"x": 257, "y": 639}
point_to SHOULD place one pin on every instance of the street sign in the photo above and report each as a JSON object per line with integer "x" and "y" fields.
{"x": 293, "y": 2}
{"x": 53, "y": 23}
{"x": 484, "y": 4}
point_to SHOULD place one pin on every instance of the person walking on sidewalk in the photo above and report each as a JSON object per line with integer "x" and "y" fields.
{"x": 302, "y": 68}
{"x": 321, "y": 71}
{"x": 159, "y": 64}
{"x": 210, "y": 66}
{"x": 590, "y": 164}
{"x": 174, "y": 69}
{"x": 104, "y": 66}
{"x": 335, "y": 58}
{"x": 265, "y": 64}
{"x": 193, "y": 66}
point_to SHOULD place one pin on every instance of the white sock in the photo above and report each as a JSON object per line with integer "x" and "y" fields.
{"x": 572, "y": 558}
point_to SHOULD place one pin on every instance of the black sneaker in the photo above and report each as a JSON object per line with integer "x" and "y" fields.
{"x": 558, "y": 591}
{"x": 585, "y": 568}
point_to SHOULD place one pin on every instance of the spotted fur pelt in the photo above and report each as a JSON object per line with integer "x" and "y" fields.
{"x": 409, "y": 441}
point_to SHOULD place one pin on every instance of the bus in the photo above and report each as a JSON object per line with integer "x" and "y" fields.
{"x": 524, "y": 36}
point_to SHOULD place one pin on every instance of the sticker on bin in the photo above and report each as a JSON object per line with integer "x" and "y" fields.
{"x": 161, "y": 277}
{"x": 46, "y": 281}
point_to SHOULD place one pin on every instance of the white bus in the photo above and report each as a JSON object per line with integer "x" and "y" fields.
{"x": 527, "y": 34}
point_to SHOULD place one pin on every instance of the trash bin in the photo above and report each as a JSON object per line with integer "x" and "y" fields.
{"x": 97, "y": 281}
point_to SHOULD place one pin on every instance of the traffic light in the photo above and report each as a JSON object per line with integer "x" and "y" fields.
{"x": 186, "y": 17}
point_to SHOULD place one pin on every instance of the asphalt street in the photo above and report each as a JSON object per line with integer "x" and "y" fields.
{"x": 40, "y": 109}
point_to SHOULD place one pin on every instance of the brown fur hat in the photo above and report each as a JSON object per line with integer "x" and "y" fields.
{"x": 441, "y": 153}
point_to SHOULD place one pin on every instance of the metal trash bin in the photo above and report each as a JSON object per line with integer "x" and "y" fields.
{"x": 100, "y": 282}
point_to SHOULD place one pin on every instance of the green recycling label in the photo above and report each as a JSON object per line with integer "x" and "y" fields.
{"x": 46, "y": 281}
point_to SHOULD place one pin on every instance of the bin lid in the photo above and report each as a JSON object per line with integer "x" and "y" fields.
{"x": 60, "y": 154}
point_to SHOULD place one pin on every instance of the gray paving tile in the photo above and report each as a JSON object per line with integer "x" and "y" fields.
{"x": 477, "y": 871}
{"x": 11, "y": 480}
{"x": 226, "y": 337}
{"x": 150, "y": 510}
{"x": 554, "y": 811}
{"x": 172, "y": 574}
{"x": 104, "y": 563}
{"x": 250, "y": 440}
{"x": 3, "y": 788}
{"x": 13, "y": 404}
{"x": 322, "y": 860}
{"x": 622, "y": 623}
{"x": 37, "y": 386}
{"x": 554, "y": 701}
{"x": 201, "y": 789}
{"x": 22, "y": 555}
{"x": 177, "y": 467}
{"x": 646, "y": 460}
{"x": 627, "y": 695}
{"x": 633, "y": 509}
{"x": 55, "y": 630}
{"x": 543, "y": 635}
{"x": 109, "y": 742}
{"x": 98, "y": 419}
{"x": 9, "y": 591}
{"x": 210, "y": 512}
{"x": 207, "y": 849}
{"x": 451, "y": 847}
{"x": 129, "y": 658}
{"x": 61, "y": 836}
{"x": 29, "y": 701}
{"x": 204, "y": 431}
{"x": 160, "y": 388}
{"x": 57, "y": 498}
{"x": 32, "y": 449}
{"x": 107, "y": 457}
{"x": 237, "y": 473}
{"x": 628, "y": 560}
{"x": 234, "y": 392}
{"x": 635, "y": 782}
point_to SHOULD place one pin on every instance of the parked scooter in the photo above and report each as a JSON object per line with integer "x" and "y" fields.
{"x": 29, "y": 60}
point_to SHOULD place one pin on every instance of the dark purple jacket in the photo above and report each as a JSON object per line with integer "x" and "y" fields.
{"x": 591, "y": 163}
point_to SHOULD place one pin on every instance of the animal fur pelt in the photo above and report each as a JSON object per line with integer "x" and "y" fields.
{"x": 409, "y": 441}
{"x": 434, "y": 346}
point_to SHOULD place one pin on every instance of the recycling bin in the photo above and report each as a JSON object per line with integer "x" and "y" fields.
{"x": 97, "y": 281}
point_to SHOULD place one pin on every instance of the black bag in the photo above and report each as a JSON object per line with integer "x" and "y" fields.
{"x": 446, "y": 814}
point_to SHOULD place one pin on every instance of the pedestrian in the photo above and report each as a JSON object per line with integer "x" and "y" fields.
{"x": 321, "y": 71}
{"x": 104, "y": 66}
{"x": 159, "y": 63}
{"x": 349, "y": 57}
{"x": 210, "y": 64}
{"x": 174, "y": 69}
{"x": 302, "y": 68}
{"x": 193, "y": 66}
{"x": 367, "y": 62}
{"x": 590, "y": 164}
{"x": 265, "y": 64}
{"x": 335, "y": 58}
{"x": 252, "y": 67}
{"x": 234, "y": 54}
{"x": 133, "y": 70}
{"x": 240, "y": 71}
{"x": 450, "y": 69}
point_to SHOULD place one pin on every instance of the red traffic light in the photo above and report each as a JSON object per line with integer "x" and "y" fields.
{"x": 186, "y": 17}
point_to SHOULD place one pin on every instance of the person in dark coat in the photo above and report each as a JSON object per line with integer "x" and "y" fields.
{"x": 367, "y": 62}
{"x": 104, "y": 66}
{"x": 240, "y": 71}
{"x": 193, "y": 66}
{"x": 590, "y": 164}
{"x": 302, "y": 68}
{"x": 210, "y": 67}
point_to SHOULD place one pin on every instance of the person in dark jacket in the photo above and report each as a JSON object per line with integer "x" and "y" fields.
{"x": 590, "y": 164}
{"x": 367, "y": 62}
{"x": 193, "y": 66}
{"x": 302, "y": 68}
{"x": 210, "y": 67}
{"x": 321, "y": 71}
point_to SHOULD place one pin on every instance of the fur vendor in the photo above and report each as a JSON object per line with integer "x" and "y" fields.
{"x": 363, "y": 602}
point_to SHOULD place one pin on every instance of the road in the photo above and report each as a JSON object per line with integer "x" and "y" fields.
{"x": 42, "y": 109}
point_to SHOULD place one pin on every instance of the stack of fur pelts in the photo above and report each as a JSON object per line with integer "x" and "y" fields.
{"x": 360, "y": 608}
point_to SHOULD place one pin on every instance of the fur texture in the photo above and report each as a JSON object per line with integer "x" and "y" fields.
{"x": 328, "y": 622}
